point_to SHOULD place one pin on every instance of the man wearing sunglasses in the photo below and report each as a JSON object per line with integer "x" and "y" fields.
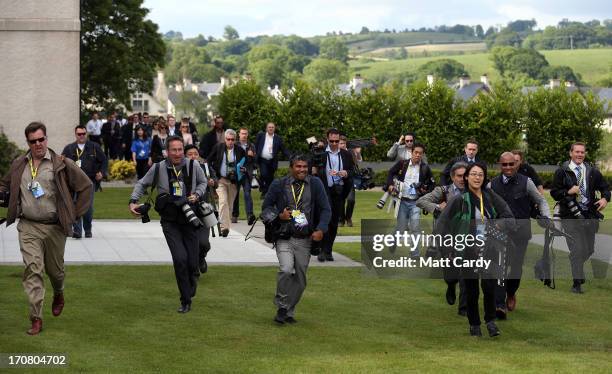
{"x": 519, "y": 192}
{"x": 92, "y": 160}
{"x": 337, "y": 177}
{"x": 46, "y": 192}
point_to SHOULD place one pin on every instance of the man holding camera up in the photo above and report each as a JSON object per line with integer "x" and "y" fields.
{"x": 180, "y": 184}
{"x": 434, "y": 202}
{"x": 299, "y": 201}
{"x": 574, "y": 186}
{"x": 225, "y": 158}
{"x": 417, "y": 180}
{"x": 337, "y": 175}
{"x": 46, "y": 192}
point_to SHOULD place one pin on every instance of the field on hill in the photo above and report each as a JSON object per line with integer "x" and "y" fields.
{"x": 368, "y": 42}
{"x": 592, "y": 64}
{"x": 427, "y": 48}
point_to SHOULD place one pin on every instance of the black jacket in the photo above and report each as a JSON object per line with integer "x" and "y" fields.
{"x": 445, "y": 178}
{"x": 565, "y": 178}
{"x": 208, "y": 142}
{"x": 215, "y": 158}
{"x": 250, "y": 161}
{"x": 93, "y": 159}
{"x": 348, "y": 165}
{"x": 320, "y": 212}
{"x": 157, "y": 148}
{"x": 425, "y": 175}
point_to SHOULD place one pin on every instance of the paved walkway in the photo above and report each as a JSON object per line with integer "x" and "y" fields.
{"x": 132, "y": 242}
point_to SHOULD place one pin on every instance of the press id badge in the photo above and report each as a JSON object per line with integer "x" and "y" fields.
{"x": 299, "y": 219}
{"x": 78, "y": 163}
{"x": 177, "y": 188}
{"x": 36, "y": 189}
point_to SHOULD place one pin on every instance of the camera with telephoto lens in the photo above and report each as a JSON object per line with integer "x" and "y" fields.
{"x": 207, "y": 212}
{"x": 318, "y": 156}
{"x": 572, "y": 206}
{"x": 143, "y": 210}
{"x": 364, "y": 179}
{"x": 190, "y": 215}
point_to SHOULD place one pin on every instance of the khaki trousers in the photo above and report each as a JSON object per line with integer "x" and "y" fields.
{"x": 42, "y": 249}
{"x": 227, "y": 193}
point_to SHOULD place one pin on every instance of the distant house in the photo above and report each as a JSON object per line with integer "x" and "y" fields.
{"x": 467, "y": 90}
{"x": 603, "y": 93}
{"x": 356, "y": 85}
{"x": 205, "y": 89}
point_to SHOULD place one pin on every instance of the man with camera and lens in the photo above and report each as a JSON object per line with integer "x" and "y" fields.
{"x": 208, "y": 206}
{"x": 46, "y": 192}
{"x": 574, "y": 185}
{"x": 336, "y": 173}
{"x": 520, "y": 193}
{"x": 434, "y": 202}
{"x": 180, "y": 185}
{"x": 227, "y": 159}
{"x": 416, "y": 180}
{"x": 296, "y": 213}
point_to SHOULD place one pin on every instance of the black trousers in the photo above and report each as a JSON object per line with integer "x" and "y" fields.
{"x": 347, "y": 213}
{"x": 266, "y": 175}
{"x": 514, "y": 260}
{"x": 452, "y": 277}
{"x": 583, "y": 244}
{"x": 473, "y": 294}
{"x": 336, "y": 202}
{"x": 182, "y": 240}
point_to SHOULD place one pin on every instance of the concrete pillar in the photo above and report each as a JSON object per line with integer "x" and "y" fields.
{"x": 39, "y": 68}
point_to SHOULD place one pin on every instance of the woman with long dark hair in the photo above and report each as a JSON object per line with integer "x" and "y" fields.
{"x": 141, "y": 152}
{"x": 470, "y": 213}
{"x": 158, "y": 146}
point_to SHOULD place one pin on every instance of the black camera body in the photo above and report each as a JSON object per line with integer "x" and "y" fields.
{"x": 231, "y": 172}
{"x": 572, "y": 206}
{"x": 364, "y": 179}
{"x": 143, "y": 210}
{"x": 188, "y": 211}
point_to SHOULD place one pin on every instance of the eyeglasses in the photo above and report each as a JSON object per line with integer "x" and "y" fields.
{"x": 230, "y": 139}
{"x": 476, "y": 175}
{"x": 39, "y": 140}
{"x": 409, "y": 141}
{"x": 507, "y": 164}
{"x": 184, "y": 127}
{"x": 333, "y": 141}
{"x": 81, "y": 133}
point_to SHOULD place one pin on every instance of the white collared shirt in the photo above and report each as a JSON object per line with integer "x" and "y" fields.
{"x": 412, "y": 176}
{"x": 582, "y": 180}
{"x": 334, "y": 162}
{"x": 267, "y": 151}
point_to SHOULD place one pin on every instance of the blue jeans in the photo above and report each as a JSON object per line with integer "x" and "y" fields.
{"x": 245, "y": 183}
{"x": 409, "y": 218}
{"x": 84, "y": 223}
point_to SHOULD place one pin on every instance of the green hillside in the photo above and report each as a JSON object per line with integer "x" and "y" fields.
{"x": 592, "y": 64}
{"x": 358, "y": 43}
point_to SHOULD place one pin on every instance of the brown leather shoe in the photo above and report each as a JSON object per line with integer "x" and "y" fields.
{"x": 58, "y": 304}
{"x": 511, "y": 302}
{"x": 36, "y": 327}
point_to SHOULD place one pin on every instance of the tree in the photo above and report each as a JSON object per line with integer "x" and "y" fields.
{"x": 403, "y": 53}
{"x": 192, "y": 104}
{"x": 322, "y": 70}
{"x": 230, "y": 33}
{"x": 364, "y": 30}
{"x": 9, "y": 152}
{"x": 267, "y": 72}
{"x": 480, "y": 32}
{"x": 120, "y": 51}
{"x": 490, "y": 32}
{"x": 521, "y": 25}
{"x": 300, "y": 46}
{"x": 245, "y": 104}
{"x": 565, "y": 73}
{"x": 334, "y": 49}
{"x": 511, "y": 62}
{"x": 447, "y": 69}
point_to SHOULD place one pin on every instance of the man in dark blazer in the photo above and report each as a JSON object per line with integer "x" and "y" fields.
{"x": 244, "y": 143}
{"x": 111, "y": 136}
{"x": 574, "y": 186}
{"x": 127, "y": 135}
{"x": 337, "y": 177}
{"x": 470, "y": 156}
{"x": 267, "y": 147}
{"x": 213, "y": 137}
{"x": 224, "y": 159}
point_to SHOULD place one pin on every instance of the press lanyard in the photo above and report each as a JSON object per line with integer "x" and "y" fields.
{"x": 227, "y": 157}
{"x": 32, "y": 170}
{"x": 175, "y": 173}
{"x": 297, "y": 201}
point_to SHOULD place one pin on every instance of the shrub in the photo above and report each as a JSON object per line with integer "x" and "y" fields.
{"x": 121, "y": 170}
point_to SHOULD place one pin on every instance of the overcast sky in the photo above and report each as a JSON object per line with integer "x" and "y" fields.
{"x": 316, "y": 17}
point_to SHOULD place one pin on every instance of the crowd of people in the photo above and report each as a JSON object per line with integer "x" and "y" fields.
{"x": 53, "y": 198}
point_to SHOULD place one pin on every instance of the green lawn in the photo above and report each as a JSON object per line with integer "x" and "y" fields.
{"x": 592, "y": 64}
{"x": 123, "y": 319}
